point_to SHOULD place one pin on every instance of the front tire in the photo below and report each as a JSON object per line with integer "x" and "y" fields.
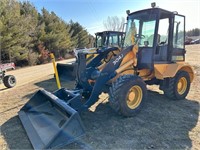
{"x": 178, "y": 86}
{"x": 127, "y": 95}
{"x": 9, "y": 81}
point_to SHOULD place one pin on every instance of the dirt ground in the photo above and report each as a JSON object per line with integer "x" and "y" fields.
{"x": 162, "y": 124}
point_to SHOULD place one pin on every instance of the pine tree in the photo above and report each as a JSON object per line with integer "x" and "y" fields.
{"x": 29, "y": 16}
{"x": 57, "y": 38}
{"x": 18, "y": 24}
{"x": 193, "y": 32}
{"x": 27, "y": 36}
{"x": 79, "y": 34}
{"x": 12, "y": 41}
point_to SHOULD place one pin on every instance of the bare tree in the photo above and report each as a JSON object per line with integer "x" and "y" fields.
{"x": 114, "y": 23}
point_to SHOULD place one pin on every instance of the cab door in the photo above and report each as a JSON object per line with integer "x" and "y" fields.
{"x": 147, "y": 44}
{"x": 178, "y": 47}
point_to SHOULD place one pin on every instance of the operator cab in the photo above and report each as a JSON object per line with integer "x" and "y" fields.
{"x": 109, "y": 39}
{"x": 160, "y": 35}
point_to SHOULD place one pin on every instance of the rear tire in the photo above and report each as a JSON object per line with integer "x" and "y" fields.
{"x": 127, "y": 95}
{"x": 9, "y": 81}
{"x": 178, "y": 86}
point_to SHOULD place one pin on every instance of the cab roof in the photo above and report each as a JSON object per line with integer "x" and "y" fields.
{"x": 108, "y": 32}
{"x": 155, "y": 10}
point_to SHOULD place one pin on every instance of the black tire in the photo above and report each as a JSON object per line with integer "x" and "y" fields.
{"x": 121, "y": 90}
{"x": 9, "y": 81}
{"x": 173, "y": 91}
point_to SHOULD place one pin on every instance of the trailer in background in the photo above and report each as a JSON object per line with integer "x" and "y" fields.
{"x": 8, "y": 80}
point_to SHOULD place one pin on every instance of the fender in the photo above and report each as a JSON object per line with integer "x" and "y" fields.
{"x": 162, "y": 71}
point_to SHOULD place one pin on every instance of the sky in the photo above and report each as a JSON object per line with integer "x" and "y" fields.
{"x": 92, "y": 13}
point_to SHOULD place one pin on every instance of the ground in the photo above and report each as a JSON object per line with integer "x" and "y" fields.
{"x": 162, "y": 124}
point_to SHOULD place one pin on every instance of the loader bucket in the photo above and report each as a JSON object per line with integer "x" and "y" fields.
{"x": 67, "y": 71}
{"x": 49, "y": 121}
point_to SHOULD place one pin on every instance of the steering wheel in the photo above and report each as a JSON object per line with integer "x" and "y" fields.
{"x": 139, "y": 36}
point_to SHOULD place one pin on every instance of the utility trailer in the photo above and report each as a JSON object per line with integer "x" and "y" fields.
{"x": 8, "y": 80}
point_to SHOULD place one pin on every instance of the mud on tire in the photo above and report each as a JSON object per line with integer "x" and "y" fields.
{"x": 120, "y": 91}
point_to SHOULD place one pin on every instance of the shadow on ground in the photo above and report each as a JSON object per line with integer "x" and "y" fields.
{"x": 162, "y": 124}
{"x": 51, "y": 86}
{"x": 4, "y": 89}
{"x": 15, "y": 135}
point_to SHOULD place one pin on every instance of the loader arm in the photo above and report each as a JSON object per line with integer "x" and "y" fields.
{"x": 109, "y": 72}
{"x": 85, "y": 70}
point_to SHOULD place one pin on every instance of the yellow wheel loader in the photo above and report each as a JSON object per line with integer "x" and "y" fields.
{"x": 104, "y": 40}
{"x": 153, "y": 53}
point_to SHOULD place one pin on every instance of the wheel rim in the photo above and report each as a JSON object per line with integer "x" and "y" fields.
{"x": 182, "y": 85}
{"x": 134, "y": 97}
{"x": 12, "y": 80}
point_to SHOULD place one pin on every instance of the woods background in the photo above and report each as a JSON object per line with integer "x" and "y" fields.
{"x": 27, "y": 36}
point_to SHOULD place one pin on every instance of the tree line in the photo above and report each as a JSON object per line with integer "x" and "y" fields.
{"x": 114, "y": 23}
{"x": 193, "y": 32}
{"x": 27, "y": 36}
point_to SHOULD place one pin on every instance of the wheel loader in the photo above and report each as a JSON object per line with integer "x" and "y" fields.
{"x": 153, "y": 53}
{"x": 103, "y": 39}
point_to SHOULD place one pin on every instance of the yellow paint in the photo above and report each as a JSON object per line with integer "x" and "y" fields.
{"x": 165, "y": 70}
{"x": 134, "y": 97}
{"x": 162, "y": 71}
{"x": 90, "y": 57}
{"x": 124, "y": 66}
{"x": 146, "y": 74}
{"x": 131, "y": 56}
{"x": 190, "y": 70}
{"x": 135, "y": 51}
{"x": 55, "y": 70}
{"x": 100, "y": 68}
{"x": 182, "y": 85}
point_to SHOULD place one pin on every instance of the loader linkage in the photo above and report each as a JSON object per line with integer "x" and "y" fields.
{"x": 52, "y": 119}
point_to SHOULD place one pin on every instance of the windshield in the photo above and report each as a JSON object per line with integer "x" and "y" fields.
{"x": 101, "y": 40}
{"x": 98, "y": 41}
{"x": 108, "y": 40}
{"x": 113, "y": 40}
{"x": 140, "y": 29}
